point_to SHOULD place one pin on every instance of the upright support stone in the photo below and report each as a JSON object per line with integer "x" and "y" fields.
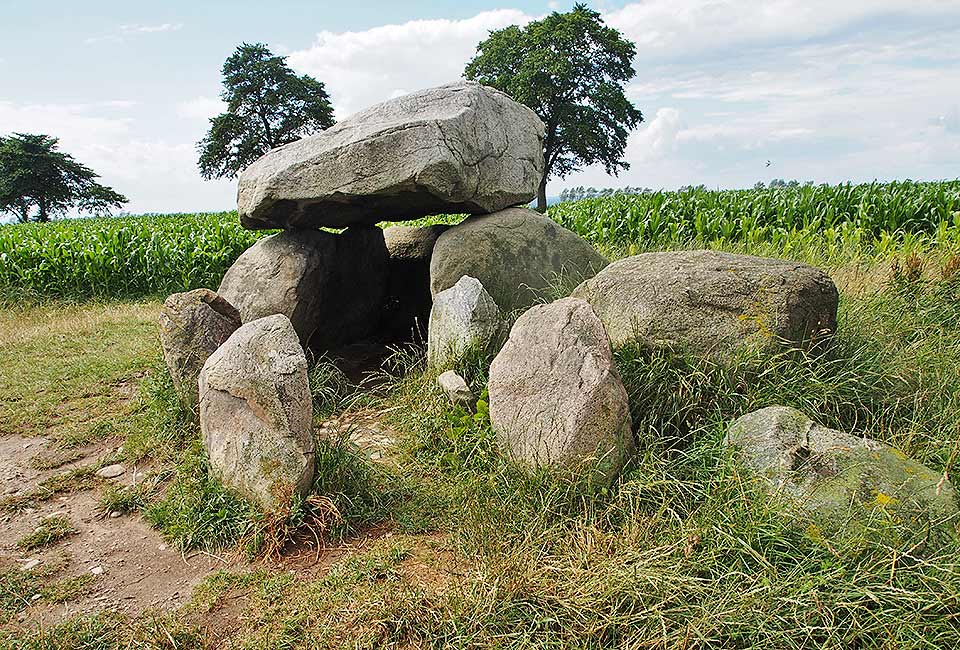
{"x": 521, "y": 257}
{"x": 556, "y": 398}
{"x": 330, "y": 286}
{"x": 192, "y": 326}
{"x": 256, "y": 412}
{"x": 463, "y": 317}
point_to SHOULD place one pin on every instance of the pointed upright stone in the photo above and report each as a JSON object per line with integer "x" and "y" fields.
{"x": 256, "y": 412}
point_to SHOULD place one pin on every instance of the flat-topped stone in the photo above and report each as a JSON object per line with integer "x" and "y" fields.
{"x": 458, "y": 148}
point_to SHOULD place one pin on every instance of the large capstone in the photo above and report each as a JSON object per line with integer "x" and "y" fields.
{"x": 256, "y": 412}
{"x": 556, "y": 398}
{"x": 330, "y": 286}
{"x": 842, "y": 480}
{"x": 464, "y": 318}
{"x": 520, "y": 256}
{"x": 459, "y": 148}
{"x": 192, "y": 326}
{"x": 712, "y": 303}
{"x": 406, "y": 306}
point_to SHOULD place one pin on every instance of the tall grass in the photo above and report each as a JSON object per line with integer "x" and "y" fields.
{"x": 155, "y": 255}
{"x": 775, "y": 214}
{"x": 119, "y": 257}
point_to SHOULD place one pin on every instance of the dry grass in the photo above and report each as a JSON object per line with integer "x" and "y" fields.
{"x": 70, "y": 372}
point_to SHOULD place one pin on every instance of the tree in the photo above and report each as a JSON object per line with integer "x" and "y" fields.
{"x": 570, "y": 69}
{"x": 267, "y": 106}
{"x": 37, "y": 181}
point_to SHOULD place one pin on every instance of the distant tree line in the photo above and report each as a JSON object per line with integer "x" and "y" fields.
{"x": 577, "y": 193}
{"x": 779, "y": 183}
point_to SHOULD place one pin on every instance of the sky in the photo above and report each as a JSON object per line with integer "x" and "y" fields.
{"x": 733, "y": 91}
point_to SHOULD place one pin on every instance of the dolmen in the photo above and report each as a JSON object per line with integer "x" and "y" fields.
{"x": 505, "y": 284}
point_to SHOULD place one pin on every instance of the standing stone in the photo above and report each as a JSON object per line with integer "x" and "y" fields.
{"x": 330, "y": 286}
{"x": 256, "y": 412}
{"x": 406, "y": 307}
{"x": 712, "y": 303}
{"x": 556, "y": 397}
{"x": 840, "y": 479}
{"x": 192, "y": 326}
{"x": 463, "y": 317}
{"x": 459, "y": 148}
{"x": 520, "y": 256}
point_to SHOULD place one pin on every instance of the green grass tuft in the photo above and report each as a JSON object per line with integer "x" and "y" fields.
{"x": 50, "y": 531}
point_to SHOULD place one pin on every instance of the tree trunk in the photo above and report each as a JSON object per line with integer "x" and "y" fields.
{"x": 542, "y": 194}
{"x": 42, "y": 217}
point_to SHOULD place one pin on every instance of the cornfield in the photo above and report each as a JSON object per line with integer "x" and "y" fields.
{"x": 154, "y": 255}
{"x": 119, "y": 257}
{"x": 776, "y": 215}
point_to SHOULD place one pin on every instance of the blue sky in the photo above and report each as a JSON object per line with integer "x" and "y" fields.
{"x": 824, "y": 91}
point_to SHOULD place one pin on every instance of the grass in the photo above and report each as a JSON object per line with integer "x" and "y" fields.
{"x": 78, "y": 479}
{"x": 151, "y": 256}
{"x": 50, "y": 531}
{"x": 69, "y": 372}
{"x": 123, "y": 500}
{"x": 20, "y": 589}
{"x": 684, "y": 550}
{"x": 124, "y": 257}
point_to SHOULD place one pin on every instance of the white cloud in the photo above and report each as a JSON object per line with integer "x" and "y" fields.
{"x": 365, "y": 67}
{"x": 155, "y": 173}
{"x": 681, "y": 28}
{"x": 150, "y": 29}
{"x": 131, "y": 30}
{"x": 200, "y": 108}
{"x": 657, "y": 139}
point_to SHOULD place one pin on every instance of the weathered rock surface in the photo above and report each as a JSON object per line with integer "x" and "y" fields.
{"x": 839, "y": 478}
{"x": 456, "y": 389}
{"x": 406, "y": 307}
{"x": 330, "y": 286}
{"x": 712, "y": 303}
{"x": 463, "y": 317}
{"x": 556, "y": 397}
{"x": 520, "y": 256}
{"x": 458, "y": 148}
{"x": 256, "y": 412}
{"x": 192, "y": 326}
{"x": 111, "y": 471}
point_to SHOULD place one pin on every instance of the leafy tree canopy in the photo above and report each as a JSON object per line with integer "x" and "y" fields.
{"x": 268, "y": 105}
{"x": 38, "y": 181}
{"x": 570, "y": 69}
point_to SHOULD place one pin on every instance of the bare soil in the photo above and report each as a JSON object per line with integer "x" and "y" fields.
{"x": 133, "y": 569}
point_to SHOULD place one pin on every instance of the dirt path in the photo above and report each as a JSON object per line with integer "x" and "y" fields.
{"x": 130, "y": 567}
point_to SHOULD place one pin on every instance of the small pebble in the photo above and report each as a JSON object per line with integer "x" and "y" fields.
{"x": 97, "y": 570}
{"x": 115, "y": 514}
{"x": 29, "y": 564}
{"x": 35, "y": 597}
